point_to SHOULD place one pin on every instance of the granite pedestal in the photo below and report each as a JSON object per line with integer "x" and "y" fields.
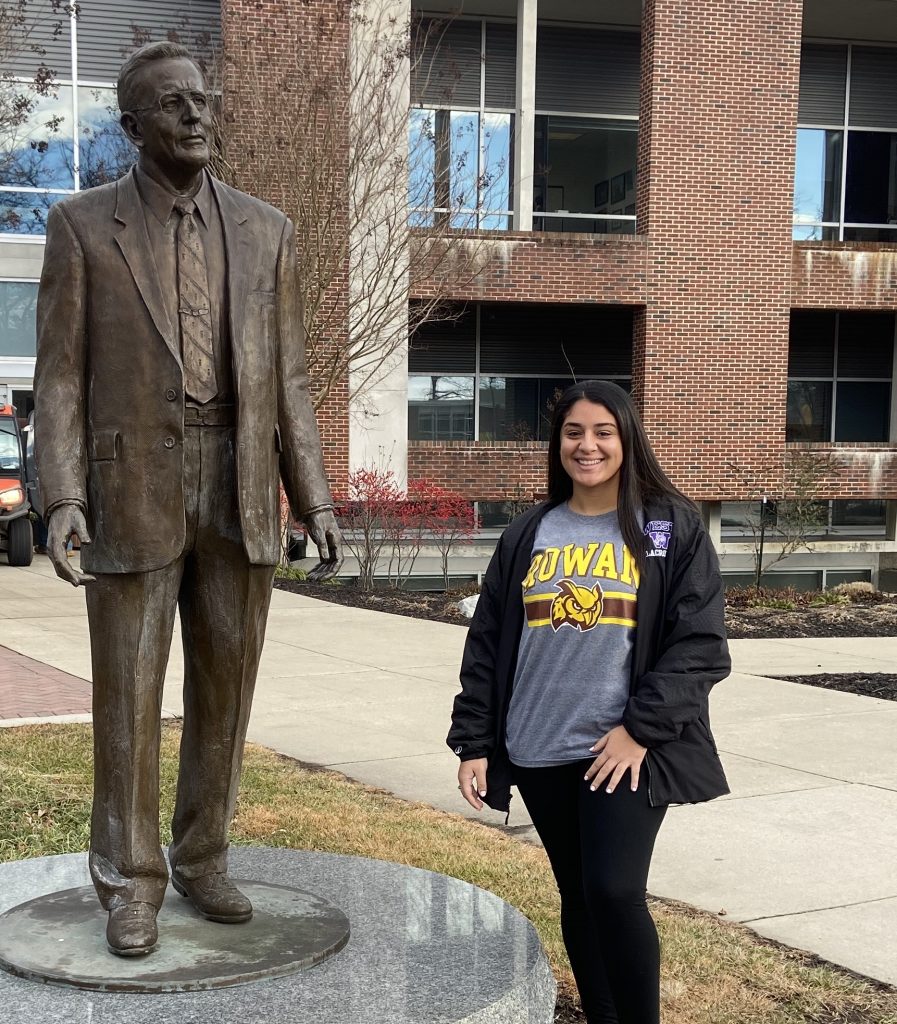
{"x": 424, "y": 949}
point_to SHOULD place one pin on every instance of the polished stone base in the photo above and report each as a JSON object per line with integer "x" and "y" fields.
{"x": 59, "y": 939}
{"x": 424, "y": 949}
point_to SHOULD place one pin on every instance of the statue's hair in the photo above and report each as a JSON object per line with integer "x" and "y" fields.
{"x": 140, "y": 58}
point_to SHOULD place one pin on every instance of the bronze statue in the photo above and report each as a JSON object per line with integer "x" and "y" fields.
{"x": 170, "y": 389}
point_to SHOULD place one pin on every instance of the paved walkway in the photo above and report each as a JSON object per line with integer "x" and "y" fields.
{"x": 802, "y": 850}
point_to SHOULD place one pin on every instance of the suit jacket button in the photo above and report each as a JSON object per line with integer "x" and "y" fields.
{"x": 171, "y": 394}
{"x": 169, "y": 442}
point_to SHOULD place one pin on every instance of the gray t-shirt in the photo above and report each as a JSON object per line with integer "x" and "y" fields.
{"x": 575, "y": 653}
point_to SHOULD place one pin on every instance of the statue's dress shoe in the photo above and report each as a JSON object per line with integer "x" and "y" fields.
{"x": 131, "y": 929}
{"x": 215, "y": 896}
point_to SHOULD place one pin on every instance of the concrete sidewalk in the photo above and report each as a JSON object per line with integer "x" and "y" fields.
{"x": 802, "y": 850}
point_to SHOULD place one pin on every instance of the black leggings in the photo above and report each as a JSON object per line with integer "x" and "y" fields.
{"x": 600, "y": 848}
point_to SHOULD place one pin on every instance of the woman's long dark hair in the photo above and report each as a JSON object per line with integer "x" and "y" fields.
{"x": 641, "y": 478}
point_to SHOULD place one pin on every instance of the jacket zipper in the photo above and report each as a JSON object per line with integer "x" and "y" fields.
{"x": 650, "y": 790}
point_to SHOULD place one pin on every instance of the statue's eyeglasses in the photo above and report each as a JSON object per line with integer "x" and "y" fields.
{"x": 176, "y": 102}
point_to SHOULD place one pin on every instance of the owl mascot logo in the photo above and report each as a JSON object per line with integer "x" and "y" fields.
{"x": 576, "y": 606}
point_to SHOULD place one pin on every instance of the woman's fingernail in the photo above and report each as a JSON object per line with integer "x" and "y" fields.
{"x": 482, "y": 792}
{"x": 609, "y": 789}
{"x": 592, "y": 788}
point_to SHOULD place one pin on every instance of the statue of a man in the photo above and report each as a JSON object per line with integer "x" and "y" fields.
{"x": 171, "y": 391}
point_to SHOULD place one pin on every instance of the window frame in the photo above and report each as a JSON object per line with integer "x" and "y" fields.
{"x": 841, "y": 225}
{"x": 478, "y": 374}
{"x": 443, "y": 215}
{"x": 835, "y": 378}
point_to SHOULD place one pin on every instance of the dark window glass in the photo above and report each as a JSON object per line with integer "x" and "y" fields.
{"x": 869, "y": 234}
{"x": 862, "y": 411}
{"x": 833, "y": 577}
{"x": 809, "y": 411}
{"x": 584, "y": 165}
{"x": 871, "y": 197}
{"x": 447, "y": 345}
{"x": 556, "y": 340}
{"x": 589, "y": 71}
{"x": 446, "y": 62}
{"x": 811, "y": 343}
{"x": 846, "y": 512}
{"x": 817, "y": 176}
{"x": 823, "y": 84}
{"x": 866, "y": 345}
{"x": 440, "y": 408}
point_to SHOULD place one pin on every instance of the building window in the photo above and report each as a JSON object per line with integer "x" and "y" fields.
{"x": 845, "y": 184}
{"x": 840, "y": 369}
{"x": 841, "y": 516}
{"x": 61, "y": 135}
{"x": 461, "y": 124}
{"x": 586, "y": 130}
{"x": 18, "y": 319}
{"x": 584, "y": 175}
{"x": 494, "y": 371}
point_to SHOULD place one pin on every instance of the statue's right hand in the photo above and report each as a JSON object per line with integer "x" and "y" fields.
{"x": 65, "y": 520}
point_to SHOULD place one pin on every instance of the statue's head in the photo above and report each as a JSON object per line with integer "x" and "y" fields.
{"x": 164, "y": 107}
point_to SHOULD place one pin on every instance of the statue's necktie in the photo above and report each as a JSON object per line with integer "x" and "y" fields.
{"x": 194, "y": 311}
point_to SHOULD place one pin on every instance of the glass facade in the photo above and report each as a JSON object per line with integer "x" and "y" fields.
{"x": 585, "y": 174}
{"x": 840, "y": 370}
{"x": 59, "y": 130}
{"x": 18, "y": 311}
{"x": 495, "y": 372}
{"x": 461, "y": 133}
{"x": 845, "y": 182}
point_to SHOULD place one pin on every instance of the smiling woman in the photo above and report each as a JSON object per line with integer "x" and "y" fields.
{"x": 603, "y": 609}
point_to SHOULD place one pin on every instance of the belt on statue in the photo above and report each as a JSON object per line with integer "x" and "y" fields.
{"x": 209, "y": 415}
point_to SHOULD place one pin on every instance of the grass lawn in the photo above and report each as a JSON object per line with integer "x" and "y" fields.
{"x": 714, "y": 972}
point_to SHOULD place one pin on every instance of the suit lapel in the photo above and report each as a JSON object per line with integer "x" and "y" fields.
{"x": 133, "y": 240}
{"x": 240, "y": 253}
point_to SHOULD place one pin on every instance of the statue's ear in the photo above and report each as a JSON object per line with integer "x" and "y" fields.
{"x": 131, "y": 126}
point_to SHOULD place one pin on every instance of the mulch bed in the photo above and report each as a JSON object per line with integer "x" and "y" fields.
{"x": 868, "y": 684}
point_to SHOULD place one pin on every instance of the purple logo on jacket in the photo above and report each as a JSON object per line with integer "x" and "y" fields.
{"x": 659, "y": 532}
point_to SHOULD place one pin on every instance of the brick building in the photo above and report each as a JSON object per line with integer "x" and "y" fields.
{"x": 697, "y": 198}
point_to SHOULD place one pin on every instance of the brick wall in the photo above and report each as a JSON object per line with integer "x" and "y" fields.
{"x": 715, "y": 184}
{"x": 528, "y": 266}
{"x": 276, "y": 55}
{"x": 482, "y": 472}
{"x": 856, "y": 470}
{"x": 844, "y": 275}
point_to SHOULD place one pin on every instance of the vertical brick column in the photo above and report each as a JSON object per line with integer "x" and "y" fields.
{"x": 715, "y": 178}
{"x": 275, "y": 55}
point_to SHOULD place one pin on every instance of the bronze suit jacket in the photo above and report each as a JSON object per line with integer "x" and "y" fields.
{"x": 109, "y": 388}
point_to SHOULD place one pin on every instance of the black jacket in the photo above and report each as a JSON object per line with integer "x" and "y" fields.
{"x": 680, "y": 652}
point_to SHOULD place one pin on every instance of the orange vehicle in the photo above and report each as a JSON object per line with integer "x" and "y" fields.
{"x": 15, "y": 521}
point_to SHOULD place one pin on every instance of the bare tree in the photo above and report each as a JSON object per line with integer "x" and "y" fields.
{"x": 782, "y": 523}
{"x": 367, "y": 187}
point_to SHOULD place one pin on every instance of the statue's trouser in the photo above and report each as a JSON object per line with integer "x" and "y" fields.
{"x": 223, "y": 603}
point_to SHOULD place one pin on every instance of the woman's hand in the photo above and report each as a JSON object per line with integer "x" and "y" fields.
{"x": 617, "y": 752}
{"x": 472, "y": 781}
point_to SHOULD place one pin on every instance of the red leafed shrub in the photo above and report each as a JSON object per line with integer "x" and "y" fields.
{"x": 448, "y": 517}
{"x": 367, "y": 516}
{"x": 377, "y": 517}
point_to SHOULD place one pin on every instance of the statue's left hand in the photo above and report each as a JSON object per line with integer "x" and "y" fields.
{"x": 325, "y": 533}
